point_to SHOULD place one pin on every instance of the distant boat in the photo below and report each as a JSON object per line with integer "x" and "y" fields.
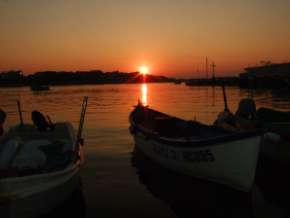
{"x": 195, "y": 149}
{"x": 39, "y": 87}
{"x": 39, "y": 169}
{"x": 191, "y": 83}
{"x": 177, "y": 82}
{"x": 205, "y": 80}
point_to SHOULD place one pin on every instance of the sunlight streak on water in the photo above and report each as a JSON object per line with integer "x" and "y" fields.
{"x": 144, "y": 92}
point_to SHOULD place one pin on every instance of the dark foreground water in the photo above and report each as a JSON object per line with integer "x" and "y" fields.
{"x": 117, "y": 181}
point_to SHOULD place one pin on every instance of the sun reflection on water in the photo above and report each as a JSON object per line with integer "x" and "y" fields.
{"x": 144, "y": 92}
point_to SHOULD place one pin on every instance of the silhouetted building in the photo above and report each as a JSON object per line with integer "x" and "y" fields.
{"x": 269, "y": 75}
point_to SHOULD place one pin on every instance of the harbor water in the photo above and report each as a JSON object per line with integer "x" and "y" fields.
{"x": 113, "y": 184}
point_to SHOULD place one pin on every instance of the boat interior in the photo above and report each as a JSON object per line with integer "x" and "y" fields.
{"x": 25, "y": 150}
{"x": 29, "y": 132}
{"x": 172, "y": 127}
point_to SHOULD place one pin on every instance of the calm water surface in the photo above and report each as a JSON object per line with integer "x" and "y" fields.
{"x": 111, "y": 186}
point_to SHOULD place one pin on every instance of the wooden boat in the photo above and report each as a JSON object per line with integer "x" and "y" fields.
{"x": 195, "y": 149}
{"x": 274, "y": 120}
{"x": 39, "y": 169}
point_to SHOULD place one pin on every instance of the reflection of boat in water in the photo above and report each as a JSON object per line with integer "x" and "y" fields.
{"x": 195, "y": 149}
{"x": 190, "y": 197}
{"x": 187, "y": 196}
{"x": 74, "y": 206}
{"x": 39, "y": 168}
{"x": 39, "y": 87}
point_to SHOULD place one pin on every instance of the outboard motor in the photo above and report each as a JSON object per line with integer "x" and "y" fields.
{"x": 40, "y": 121}
{"x": 2, "y": 121}
{"x": 247, "y": 109}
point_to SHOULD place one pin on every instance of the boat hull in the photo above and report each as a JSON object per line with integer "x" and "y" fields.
{"x": 231, "y": 163}
{"x": 33, "y": 196}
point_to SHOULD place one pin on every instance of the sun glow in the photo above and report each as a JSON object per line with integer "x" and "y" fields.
{"x": 144, "y": 70}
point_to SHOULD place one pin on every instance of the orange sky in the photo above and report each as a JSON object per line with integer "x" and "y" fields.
{"x": 173, "y": 37}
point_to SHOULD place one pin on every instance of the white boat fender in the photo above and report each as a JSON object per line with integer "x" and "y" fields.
{"x": 272, "y": 137}
{"x": 8, "y": 152}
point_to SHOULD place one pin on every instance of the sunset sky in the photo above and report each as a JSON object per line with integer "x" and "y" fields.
{"x": 172, "y": 37}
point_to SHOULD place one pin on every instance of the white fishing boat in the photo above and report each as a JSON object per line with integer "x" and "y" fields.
{"x": 191, "y": 148}
{"x": 39, "y": 169}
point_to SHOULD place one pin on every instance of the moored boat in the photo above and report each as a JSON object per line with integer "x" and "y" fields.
{"x": 39, "y": 87}
{"x": 195, "y": 149}
{"x": 276, "y": 121}
{"x": 276, "y": 143}
{"x": 39, "y": 169}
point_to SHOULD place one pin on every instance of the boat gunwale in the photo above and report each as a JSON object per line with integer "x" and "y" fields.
{"x": 187, "y": 141}
{"x": 199, "y": 143}
{"x": 68, "y": 168}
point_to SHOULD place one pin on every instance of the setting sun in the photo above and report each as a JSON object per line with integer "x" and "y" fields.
{"x": 144, "y": 70}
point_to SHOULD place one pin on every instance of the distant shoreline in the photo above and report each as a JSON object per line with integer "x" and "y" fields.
{"x": 54, "y": 78}
{"x": 97, "y": 77}
{"x": 81, "y": 84}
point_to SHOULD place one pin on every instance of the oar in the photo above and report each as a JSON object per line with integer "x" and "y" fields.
{"x": 225, "y": 99}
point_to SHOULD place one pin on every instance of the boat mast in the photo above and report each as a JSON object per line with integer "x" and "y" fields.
{"x": 213, "y": 72}
{"x": 206, "y": 67}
